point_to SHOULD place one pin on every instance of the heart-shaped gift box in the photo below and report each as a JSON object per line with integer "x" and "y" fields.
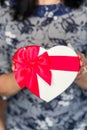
{"x": 46, "y": 73}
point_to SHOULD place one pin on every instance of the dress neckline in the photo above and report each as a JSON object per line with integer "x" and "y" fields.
{"x": 56, "y": 9}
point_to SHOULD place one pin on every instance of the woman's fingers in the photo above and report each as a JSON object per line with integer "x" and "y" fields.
{"x": 83, "y": 63}
{"x": 82, "y": 58}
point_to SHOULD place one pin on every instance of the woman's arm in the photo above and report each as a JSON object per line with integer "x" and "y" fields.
{"x": 8, "y": 85}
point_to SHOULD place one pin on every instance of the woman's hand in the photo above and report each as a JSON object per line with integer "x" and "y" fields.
{"x": 81, "y": 79}
{"x": 8, "y": 85}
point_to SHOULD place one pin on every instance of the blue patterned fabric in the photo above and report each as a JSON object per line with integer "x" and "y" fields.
{"x": 49, "y": 26}
{"x": 56, "y": 10}
{"x": 12, "y": 3}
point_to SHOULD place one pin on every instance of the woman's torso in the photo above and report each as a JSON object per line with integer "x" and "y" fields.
{"x": 50, "y": 26}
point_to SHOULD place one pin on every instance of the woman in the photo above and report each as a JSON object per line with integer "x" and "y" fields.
{"x": 45, "y": 23}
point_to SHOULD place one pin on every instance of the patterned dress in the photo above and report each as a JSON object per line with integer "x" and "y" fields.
{"x": 49, "y": 26}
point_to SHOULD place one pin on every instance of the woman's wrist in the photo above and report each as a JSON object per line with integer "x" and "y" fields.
{"x": 3, "y": 97}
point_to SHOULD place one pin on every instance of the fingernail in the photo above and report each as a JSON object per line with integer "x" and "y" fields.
{"x": 81, "y": 63}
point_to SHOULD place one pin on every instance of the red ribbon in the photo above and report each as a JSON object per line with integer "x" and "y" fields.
{"x": 27, "y": 64}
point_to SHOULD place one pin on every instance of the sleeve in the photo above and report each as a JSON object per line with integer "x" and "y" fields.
{"x": 84, "y": 29}
{"x": 4, "y": 65}
{"x": 86, "y": 32}
{"x": 82, "y": 32}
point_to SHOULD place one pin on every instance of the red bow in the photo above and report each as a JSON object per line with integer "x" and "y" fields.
{"x": 27, "y": 64}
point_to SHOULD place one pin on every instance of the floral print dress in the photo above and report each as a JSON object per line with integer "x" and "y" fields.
{"x": 49, "y": 25}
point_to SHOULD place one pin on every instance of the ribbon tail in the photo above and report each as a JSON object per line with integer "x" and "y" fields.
{"x": 44, "y": 73}
{"x": 32, "y": 83}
